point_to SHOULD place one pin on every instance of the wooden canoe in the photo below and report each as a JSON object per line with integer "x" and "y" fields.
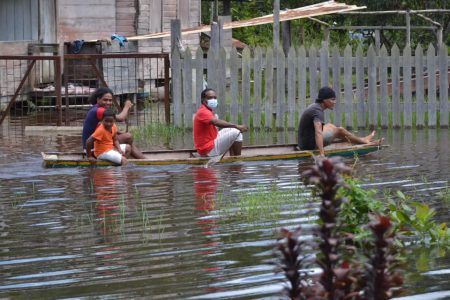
{"x": 249, "y": 153}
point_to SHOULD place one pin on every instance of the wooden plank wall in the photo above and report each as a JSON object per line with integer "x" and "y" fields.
{"x": 268, "y": 89}
{"x": 88, "y": 19}
{"x": 19, "y": 20}
{"x": 126, "y": 17}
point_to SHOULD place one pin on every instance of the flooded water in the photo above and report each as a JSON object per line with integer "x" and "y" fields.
{"x": 158, "y": 232}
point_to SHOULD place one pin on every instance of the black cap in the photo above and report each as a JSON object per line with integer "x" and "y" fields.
{"x": 325, "y": 93}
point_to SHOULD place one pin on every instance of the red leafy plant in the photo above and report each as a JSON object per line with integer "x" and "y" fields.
{"x": 342, "y": 277}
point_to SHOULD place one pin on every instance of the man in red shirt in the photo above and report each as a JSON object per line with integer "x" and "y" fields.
{"x": 210, "y": 142}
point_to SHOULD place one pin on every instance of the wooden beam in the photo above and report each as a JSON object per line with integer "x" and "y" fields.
{"x": 276, "y": 25}
{"x": 394, "y": 12}
{"x": 380, "y": 27}
{"x": 408, "y": 28}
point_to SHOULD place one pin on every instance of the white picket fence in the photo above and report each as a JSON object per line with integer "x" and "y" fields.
{"x": 265, "y": 88}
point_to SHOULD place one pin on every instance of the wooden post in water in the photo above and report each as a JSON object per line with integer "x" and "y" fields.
{"x": 257, "y": 79}
{"x": 372, "y": 81}
{"x": 286, "y": 36}
{"x": 246, "y": 70}
{"x": 301, "y": 71}
{"x": 443, "y": 85}
{"x": 383, "y": 72}
{"x": 395, "y": 83}
{"x": 348, "y": 86}
{"x": 269, "y": 92}
{"x": 198, "y": 76}
{"x": 336, "y": 70}
{"x": 276, "y": 25}
{"x": 280, "y": 88}
{"x": 431, "y": 68}
{"x": 360, "y": 94}
{"x": 234, "y": 85}
{"x": 176, "y": 87}
{"x": 420, "y": 102}
{"x": 312, "y": 59}
{"x": 175, "y": 34}
{"x": 187, "y": 88}
{"x": 407, "y": 87}
{"x": 291, "y": 72}
{"x": 324, "y": 73}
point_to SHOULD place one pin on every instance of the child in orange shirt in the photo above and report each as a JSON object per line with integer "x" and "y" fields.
{"x": 105, "y": 142}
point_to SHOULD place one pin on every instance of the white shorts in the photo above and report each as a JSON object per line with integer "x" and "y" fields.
{"x": 113, "y": 155}
{"x": 225, "y": 138}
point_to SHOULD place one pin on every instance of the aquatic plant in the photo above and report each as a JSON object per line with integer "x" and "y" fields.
{"x": 339, "y": 277}
{"x": 291, "y": 261}
{"x": 408, "y": 217}
{"x": 380, "y": 277}
{"x": 336, "y": 280}
{"x": 263, "y": 204}
{"x": 156, "y": 129}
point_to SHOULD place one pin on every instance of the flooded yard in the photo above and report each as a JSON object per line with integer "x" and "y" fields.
{"x": 160, "y": 232}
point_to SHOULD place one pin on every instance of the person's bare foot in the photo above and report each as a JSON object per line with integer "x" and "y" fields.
{"x": 370, "y": 137}
{"x": 377, "y": 142}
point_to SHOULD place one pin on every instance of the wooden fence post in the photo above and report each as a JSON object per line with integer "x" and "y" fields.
{"x": 312, "y": 66}
{"x": 395, "y": 83}
{"x": 336, "y": 69}
{"x": 175, "y": 34}
{"x": 372, "y": 81}
{"x": 268, "y": 105}
{"x": 176, "y": 87}
{"x": 324, "y": 71}
{"x": 291, "y": 72}
{"x": 301, "y": 70}
{"x": 348, "y": 87}
{"x": 384, "y": 88}
{"x": 257, "y": 87}
{"x": 443, "y": 85}
{"x": 420, "y": 102}
{"x": 360, "y": 93}
{"x": 187, "y": 88}
{"x": 221, "y": 61}
{"x": 198, "y": 75}
{"x": 234, "y": 85}
{"x": 431, "y": 67}
{"x": 407, "y": 91}
{"x": 280, "y": 88}
{"x": 246, "y": 69}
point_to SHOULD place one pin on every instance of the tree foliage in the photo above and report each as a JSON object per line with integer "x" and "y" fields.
{"x": 313, "y": 32}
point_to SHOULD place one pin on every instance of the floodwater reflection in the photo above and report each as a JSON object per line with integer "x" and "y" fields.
{"x": 157, "y": 232}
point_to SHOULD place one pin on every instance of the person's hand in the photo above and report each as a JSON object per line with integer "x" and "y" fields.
{"x": 120, "y": 151}
{"x": 242, "y": 128}
{"x": 92, "y": 160}
{"x": 128, "y": 104}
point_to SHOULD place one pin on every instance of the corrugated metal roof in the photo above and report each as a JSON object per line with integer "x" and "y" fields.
{"x": 323, "y": 8}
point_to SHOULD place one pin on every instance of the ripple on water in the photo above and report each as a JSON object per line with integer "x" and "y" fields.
{"x": 163, "y": 232}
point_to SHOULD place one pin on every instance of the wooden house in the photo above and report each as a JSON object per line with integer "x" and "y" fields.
{"x": 57, "y": 23}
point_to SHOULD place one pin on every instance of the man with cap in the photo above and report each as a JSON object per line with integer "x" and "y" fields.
{"x": 313, "y": 133}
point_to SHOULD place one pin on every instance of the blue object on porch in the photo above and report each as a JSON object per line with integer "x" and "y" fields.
{"x": 121, "y": 39}
{"x": 77, "y": 45}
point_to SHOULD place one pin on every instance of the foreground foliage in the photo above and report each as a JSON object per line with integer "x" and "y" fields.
{"x": 344, "y": 275}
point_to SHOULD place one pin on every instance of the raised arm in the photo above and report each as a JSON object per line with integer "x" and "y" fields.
{"x": 319, "y": 136}
{"x": 124, "y": 113}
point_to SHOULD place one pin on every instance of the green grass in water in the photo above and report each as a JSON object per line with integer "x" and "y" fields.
{"x": 156, "y": 130}
{"x": 266, "y": 204}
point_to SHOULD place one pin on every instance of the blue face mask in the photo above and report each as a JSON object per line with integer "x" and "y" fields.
{"x": 212, "y": 103}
